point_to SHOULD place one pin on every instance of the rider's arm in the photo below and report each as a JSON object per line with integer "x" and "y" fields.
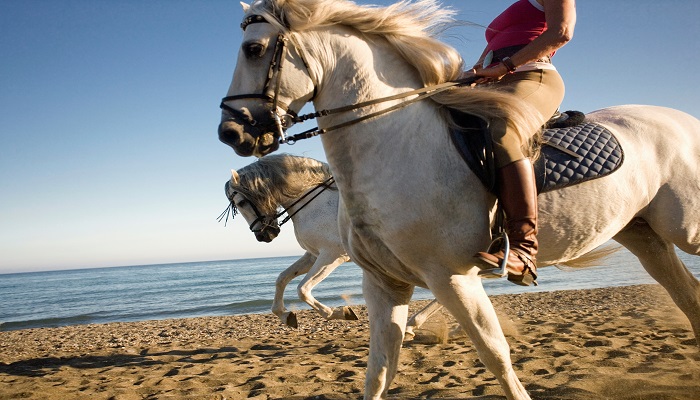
{"x": 561, "y": 19}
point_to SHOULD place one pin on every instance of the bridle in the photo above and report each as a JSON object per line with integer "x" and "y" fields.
{"x": 261, "y": 219}
{"x": 273, "y": 74}
{"x": 280, "y": 123}
{"x": 265, "y": 221}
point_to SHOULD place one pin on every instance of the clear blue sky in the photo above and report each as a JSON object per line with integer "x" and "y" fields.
{"x": 108, "y": 112}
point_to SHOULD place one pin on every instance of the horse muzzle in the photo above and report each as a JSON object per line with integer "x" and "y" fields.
{"x": 268, "y": 234}
{"x": 248, "y": 140}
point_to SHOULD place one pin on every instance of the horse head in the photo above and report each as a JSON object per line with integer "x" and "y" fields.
{"x": 270, "y": 84}
{"x": 265, "y": 227}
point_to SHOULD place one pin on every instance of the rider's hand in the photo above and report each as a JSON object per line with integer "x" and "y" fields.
{"x": 491, "y": 74}
{"x": 468, "y": 74}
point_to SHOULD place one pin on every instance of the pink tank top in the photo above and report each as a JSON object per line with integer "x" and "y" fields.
{"x": 519, "y": 24}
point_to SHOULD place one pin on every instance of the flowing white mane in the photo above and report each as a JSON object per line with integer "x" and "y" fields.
{"x": 279, "y": 177}
{"x": 412, "y": 28}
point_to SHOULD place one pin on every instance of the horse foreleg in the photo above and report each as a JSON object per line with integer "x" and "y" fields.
{"x": 465, "y": 298}
{"x": 659, "y": 259}
{"x": 419, "y": 318}
{"x": 322, "y": 267}
{"x": 387, "y": 306}
{"x": 300, "y": 266}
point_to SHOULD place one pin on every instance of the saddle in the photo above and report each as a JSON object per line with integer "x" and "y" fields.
{"x": 572, "y": 150}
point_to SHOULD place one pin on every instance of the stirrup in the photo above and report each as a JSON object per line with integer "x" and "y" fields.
{"x": 495, "y": 244}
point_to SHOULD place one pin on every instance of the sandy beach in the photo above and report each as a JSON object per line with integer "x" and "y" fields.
{"x": 613, "y": 343}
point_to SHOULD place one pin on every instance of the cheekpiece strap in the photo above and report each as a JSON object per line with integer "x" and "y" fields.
{"x": 252, "y": 19}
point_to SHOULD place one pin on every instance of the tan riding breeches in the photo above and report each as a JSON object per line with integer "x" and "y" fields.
{"x": 542, "y": 89}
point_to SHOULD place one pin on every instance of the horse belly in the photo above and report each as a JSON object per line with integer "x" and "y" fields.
{"x": 575, "y": 220}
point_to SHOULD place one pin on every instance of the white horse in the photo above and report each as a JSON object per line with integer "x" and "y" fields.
{"x": 304, "y": 189}
{"x": 412, "y": 213}
{"x": 272, "y": 183}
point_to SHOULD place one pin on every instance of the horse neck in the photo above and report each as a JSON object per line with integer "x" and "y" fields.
{"x": 357, "y": 69}
{"x": 377, "y": 161}
{"x": 308, "y": 202}
{"x": 300, "y": 187}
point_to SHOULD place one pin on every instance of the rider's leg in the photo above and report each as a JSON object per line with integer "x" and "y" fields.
{"x": 544, "y": 90}
{"x": 518, "y": 196}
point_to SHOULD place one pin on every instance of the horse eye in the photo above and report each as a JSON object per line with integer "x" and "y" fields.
{"x": 253, "y": 50}
{"x": 242, "y": 203}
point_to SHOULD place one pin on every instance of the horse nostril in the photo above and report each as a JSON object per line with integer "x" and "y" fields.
{"x": 233, "y": 135}
{"x": 228, "y": 134}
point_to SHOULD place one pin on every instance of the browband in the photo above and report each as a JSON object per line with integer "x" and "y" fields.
{"x": 252, "y": 19}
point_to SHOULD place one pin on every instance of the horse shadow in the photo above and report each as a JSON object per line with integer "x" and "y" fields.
{"x": 42, "y": 366}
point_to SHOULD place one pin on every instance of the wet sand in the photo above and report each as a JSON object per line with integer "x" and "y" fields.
{"x": 613, "y": 343}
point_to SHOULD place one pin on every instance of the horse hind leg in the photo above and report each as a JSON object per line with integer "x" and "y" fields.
{"x": 658, "y": 257}
{"x": 326, "y": 263}
{"x": 419, "y": 318}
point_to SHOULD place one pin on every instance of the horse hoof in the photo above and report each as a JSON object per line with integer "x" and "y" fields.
{"x": 291, "y": 320}
{"x": 409, "y": 335}
{"x": 349, "y": 314}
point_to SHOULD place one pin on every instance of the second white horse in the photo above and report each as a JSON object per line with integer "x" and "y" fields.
{"x": 303, "y": 188}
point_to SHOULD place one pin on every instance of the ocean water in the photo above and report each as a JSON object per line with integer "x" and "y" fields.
{"x": 136, "y": 293}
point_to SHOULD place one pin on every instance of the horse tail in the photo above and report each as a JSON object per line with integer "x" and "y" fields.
{"x": 592, "y": 258}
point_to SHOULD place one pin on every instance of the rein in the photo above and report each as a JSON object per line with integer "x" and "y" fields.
{"x": 325, "y": 185}
{"x": 282, "y": 122}
{"x": 423, "y": 93}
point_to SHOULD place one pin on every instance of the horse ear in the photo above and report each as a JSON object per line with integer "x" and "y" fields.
{"x": 245, "y": 7}
{"x": 235, "y": 179}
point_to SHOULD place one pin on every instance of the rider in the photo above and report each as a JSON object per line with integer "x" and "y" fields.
{"x": 517, "y": 59}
